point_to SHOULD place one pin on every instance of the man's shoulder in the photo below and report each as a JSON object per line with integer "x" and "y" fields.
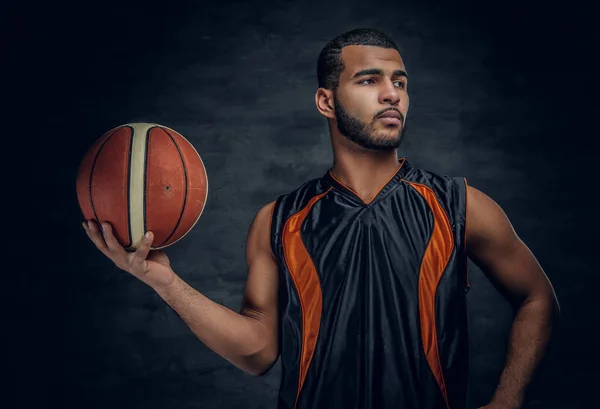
{"x": 311, "y": 187}
{"x": 299, "y": 197}
{"x": 431, "y": 178}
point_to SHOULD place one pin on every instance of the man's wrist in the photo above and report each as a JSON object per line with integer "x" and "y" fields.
{"x": 166, "y": 286}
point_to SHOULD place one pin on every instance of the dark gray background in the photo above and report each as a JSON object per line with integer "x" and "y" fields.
{"x": 503, "y": 94}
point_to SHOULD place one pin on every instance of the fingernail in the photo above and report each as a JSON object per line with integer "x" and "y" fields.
{"x": 147, "y": 235}
{"x": 103, "y": 227}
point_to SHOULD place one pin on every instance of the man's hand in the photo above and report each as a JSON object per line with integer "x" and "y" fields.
{"x": 151, "y": 267}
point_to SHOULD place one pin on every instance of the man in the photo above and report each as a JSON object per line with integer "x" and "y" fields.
{"x": 358, "y": 279}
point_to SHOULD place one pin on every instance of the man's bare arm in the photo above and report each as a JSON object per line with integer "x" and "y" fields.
{"x": 494, "y": 246}
{"x": 247, "y": 339}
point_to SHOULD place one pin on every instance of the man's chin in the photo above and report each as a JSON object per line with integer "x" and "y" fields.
{"x": 386, "y": 140}
{"x": 377, "y": 140}
{"x": 380, "y": 145}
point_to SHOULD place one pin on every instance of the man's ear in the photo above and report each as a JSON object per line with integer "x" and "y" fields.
{"x": 325, "y": 103}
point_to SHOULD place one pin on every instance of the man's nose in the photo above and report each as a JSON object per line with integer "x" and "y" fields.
{"x": 390, "y": 94}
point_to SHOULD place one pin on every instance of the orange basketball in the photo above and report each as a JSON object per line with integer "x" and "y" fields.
{"x": 143, "y": 177}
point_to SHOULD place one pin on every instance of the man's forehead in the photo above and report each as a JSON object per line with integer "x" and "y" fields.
{"x": 359, "y": 57}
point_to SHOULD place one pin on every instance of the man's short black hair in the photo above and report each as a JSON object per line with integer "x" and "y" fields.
{"x": 330, "y": 64}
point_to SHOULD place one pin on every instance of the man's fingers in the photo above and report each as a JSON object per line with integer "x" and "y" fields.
{"x": 94, "y": 234}
{"x": 111, "y": 241}
{"x": 138, "y": 260}
{"x": 106, "y": 242}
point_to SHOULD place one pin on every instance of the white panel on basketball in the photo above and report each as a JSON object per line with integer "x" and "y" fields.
{"x": 137, "y": 181}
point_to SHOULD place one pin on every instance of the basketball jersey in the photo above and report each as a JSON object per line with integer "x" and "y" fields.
{"x": 372, "y": 296}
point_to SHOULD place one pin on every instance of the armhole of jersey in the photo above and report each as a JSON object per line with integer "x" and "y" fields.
{"x": 272, "y": 234}
{"x": 271, "y": 218}
{"x": 465, "y": 235}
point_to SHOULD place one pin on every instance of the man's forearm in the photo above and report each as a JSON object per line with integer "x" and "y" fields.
{"x": 529, "y": 337}
{"x": 239, "y": 339}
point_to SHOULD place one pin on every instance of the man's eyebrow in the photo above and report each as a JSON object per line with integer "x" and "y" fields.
{"x": 377, "y": 71}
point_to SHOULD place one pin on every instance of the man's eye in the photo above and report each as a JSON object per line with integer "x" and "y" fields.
{"x": 401, "y": 84}
{"x": 363, "y": 81}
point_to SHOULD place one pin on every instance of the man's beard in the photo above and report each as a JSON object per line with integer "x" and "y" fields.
{"x": 363, "y": 134}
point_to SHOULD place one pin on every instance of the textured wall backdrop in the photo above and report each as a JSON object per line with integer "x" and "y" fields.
{"x": 498, "y": 95}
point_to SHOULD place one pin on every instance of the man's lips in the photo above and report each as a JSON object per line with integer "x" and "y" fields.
{"x": 390, "y": 114}
{"x": 390, "y": 117}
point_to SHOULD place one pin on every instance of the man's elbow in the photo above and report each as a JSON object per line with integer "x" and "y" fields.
{"x": 265, "y": 368}
{"x": 259, "y": 364}
{"x": 545, "y": 300}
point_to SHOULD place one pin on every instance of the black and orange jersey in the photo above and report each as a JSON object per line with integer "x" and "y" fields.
{"x": 372, "y": 298}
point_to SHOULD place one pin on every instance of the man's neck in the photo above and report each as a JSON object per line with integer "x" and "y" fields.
{"x": 364, "y": 172}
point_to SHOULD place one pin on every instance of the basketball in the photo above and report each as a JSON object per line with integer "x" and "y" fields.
{"x": 143, "y": 177}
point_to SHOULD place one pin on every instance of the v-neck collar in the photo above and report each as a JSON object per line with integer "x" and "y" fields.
{"x": 402, "y": 169}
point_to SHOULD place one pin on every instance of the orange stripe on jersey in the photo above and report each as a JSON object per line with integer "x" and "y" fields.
{"x": 306, "y": 280}
{"x": 437, "y": 254}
